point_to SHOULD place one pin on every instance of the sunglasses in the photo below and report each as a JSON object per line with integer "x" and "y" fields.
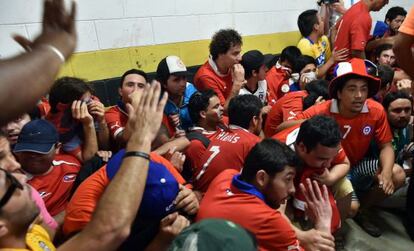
{"x": 14, "y": 184}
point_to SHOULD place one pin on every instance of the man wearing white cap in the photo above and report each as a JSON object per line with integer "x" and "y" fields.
{"x": 172, "y": 74}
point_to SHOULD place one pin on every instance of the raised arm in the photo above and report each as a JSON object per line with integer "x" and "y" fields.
{"x": 29, "y": 76}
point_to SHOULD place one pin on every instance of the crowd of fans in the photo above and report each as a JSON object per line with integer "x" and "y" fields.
{"x": 176, "y": 165}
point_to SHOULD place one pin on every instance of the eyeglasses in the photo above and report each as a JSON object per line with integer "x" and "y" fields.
{"x": 14, "y": 184}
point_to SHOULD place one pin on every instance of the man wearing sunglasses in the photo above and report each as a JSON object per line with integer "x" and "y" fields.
{"x": 18, "y": 212}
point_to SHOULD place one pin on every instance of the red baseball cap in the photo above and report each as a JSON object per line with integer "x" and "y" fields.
{"x": 354, "y": 68}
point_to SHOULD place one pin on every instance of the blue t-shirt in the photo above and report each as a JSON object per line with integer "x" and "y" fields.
{"x": 171, "y": 108}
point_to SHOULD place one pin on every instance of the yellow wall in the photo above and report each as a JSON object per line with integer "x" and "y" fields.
{"x": 103, "y": 64}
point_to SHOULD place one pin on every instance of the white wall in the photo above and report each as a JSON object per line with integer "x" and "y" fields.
{"x": 105, "y": 24}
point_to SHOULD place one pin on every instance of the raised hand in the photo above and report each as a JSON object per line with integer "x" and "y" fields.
{"x": 58, "y": 29}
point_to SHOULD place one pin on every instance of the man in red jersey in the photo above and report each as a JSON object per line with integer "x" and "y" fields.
{"x": 206, "y": 113}
{"x": 117, "y": 116}
{"x": 355, "y": 26}
{"x": 52, "y": 174}
{"x": 228, "y": 148}
{"x": 222, "y": 72}
{"x": 317, "y": 142}
{"x": 250, "y": 199}
{"x": 361, "y": 120}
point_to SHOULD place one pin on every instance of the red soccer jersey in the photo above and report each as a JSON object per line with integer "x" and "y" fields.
{"x": 226, "y": 201}
{"x": 358, "y": 131}
{"x": 277, "y": 84}
{"x": 227, "y": 150}
{"x": 288, "y": 136}
{"x": 55, "y": 186}
{"x": 116, "y": 120}
{"x": 207, "y": 78}
{"x": 354, "y": 28}
{"x": 196, "y": 149}
{"x": 285, "y": 108}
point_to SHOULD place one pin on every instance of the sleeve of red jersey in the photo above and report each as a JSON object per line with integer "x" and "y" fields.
{"x": 383, "y": 133}
{"x": 278, "y": 234}
{"x": 273, "y": 120}
{"x": 194, "y": 154}
{"x": 340, "y": 157}
{"x": 360, "y": 30}
{"x": 205, "y": 82}
{"x": 308, "y": 113}
{"x": 113, "y": 120}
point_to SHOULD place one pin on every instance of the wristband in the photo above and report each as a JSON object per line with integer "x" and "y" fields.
{"x": 137, "y": 154}
{"x": 56, "y": 51}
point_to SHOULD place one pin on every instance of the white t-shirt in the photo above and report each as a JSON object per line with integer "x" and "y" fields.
{"x": 260, "y": 92}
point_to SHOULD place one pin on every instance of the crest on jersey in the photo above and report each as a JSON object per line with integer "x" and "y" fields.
{"x": 69, "y": 178}
{"x": 367, "y": 130}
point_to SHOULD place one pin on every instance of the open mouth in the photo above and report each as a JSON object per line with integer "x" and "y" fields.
{"x": 13, "y": 137}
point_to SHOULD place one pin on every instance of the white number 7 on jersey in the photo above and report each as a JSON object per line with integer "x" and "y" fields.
{"x": 348, "y": 129}
{"x": 215, "y": 150}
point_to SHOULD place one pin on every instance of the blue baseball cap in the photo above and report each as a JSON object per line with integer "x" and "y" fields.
{"x": 380, "y": 29}
{"x": 161, "y": 188}
{"x": 38, "y": 136}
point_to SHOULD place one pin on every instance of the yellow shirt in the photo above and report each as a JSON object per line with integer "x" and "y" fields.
{"x": 320, "y": 51}
{"x": 37, "y": 239}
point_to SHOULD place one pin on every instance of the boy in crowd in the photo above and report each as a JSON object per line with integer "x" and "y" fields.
{"x": 278, "y": 77}
{"x": 222, "y": 72}
{"x": 255, "y": 74}
{"x": 172, "y": 74}
{"x": 14, "y": 127}
{"x": 307, "y": 70}
{"x": 315, "y": 44}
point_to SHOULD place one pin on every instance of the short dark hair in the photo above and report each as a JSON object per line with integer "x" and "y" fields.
{"x": 133, "y": 71}
{"x": 306, "y": 21}
{"x": 395, "y": 11}
{"x": 303, "y": 61}
{"x": 386, "y": 74}
{"x": 381, "y": 48}
{"x": 269, "y": 155}
{"x": 243, "y": 108}
{"x": 392, "y": 96}
{"x": 321, "y": 130}
{"x": 315, "y": 89}
{"x": 223, "y": 40}
{"x": 290, "y": 54}
{"x": 65, "y": 90}
{"x": 199, "y": 101}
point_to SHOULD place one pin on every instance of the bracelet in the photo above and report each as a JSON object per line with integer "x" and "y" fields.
{"x": 137, "y": 154}
{"x": 56, "y": 51}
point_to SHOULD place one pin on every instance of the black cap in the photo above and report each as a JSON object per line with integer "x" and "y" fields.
{"x": 252, "y": 60}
